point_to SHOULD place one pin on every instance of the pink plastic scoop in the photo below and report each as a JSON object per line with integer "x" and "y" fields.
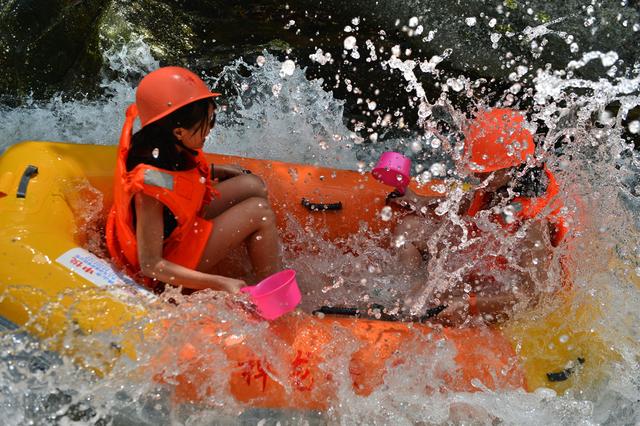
{"x": 393, "y": 169}
{"x": 275, "y": 295}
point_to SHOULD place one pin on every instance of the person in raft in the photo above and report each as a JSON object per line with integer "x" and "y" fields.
{"x": 168, "y": 224}
{"x": 489, "y": 270}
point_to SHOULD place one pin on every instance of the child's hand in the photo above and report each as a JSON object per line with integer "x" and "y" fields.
{"x": 406, "y": 200}
{"x": 234, "y": 170}
{"x": 232, "y": 285}
{"x": 228, "y": 171}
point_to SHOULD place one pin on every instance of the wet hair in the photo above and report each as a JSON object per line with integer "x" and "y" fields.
{"x": 156, "y": 145}
{"x": 158, "y": 136}
{"x": 529, "y": 181}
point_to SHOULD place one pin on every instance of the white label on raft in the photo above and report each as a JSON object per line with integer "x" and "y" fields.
{"x": 101, "y": 273}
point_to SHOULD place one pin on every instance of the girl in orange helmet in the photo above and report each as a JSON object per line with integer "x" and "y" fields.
{"x": 511, "y": 195}
{"x": 168, "y": 224}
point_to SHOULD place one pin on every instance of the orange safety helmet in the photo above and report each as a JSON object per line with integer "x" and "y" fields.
{"x": 496, "y": 139}
{"x": 165, "y": 90}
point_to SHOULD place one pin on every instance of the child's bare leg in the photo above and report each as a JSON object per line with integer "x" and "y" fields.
{"x": 250, "y": 220}
{"x": 411, "y": 258}
{"x": 409, "y": 253}
{"x": 233, "y": 191}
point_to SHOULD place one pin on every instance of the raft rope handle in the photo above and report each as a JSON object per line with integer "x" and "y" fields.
{"x": 321, "y": 207}
{"x": 28, "y": 173}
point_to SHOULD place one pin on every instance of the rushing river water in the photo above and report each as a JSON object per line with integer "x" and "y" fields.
{"x": 273, "y": 111}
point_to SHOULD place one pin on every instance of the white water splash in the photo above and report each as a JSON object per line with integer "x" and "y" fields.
{"x": 304, "y": 123}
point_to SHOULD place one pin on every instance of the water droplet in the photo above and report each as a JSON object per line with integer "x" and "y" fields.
{"x": 155, "y": 153}
{"x": 261, "y": 60}
{"x": 40, "y": 259}
{"x": 294, "y": 174}
{"x": 424, "y": 177}
{"x": 413, "y": 22}
{"x": 288, "y": 67}
{"x": 336, "y": 284}
{"x": 424, "y": 110}
{"x": 258, "y": 237}
{"x": 275, "y": 89}
{"x": 386, "y": 213}
{"x": 634, "y": 127}
{"x": 456, "y": 84}
{"x": 471, "y": 21}
{"x": 495, "y": 38}
{"x": 564, "y": 338}
{"x": 400, "y": 241}
{"x": 438, "y": 169}
{"x": 350, "y": 43}
{"x": 508, "y": 214}
{"x": 609, "y": 58}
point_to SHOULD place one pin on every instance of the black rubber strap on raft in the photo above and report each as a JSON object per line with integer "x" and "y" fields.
{"x": 338, "y": 310}
{"x": 28, "y": 173}
{"x": 561, "y": 376}
{"x": 321, "y": 207}
{"x": 358, "y": 313}
{"x": 382, "y": 316}
{"x": 432, "y": 312}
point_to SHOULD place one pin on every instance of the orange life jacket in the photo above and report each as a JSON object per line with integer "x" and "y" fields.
{"x": 529, "y": 208}
{"x": 184, "y": 193}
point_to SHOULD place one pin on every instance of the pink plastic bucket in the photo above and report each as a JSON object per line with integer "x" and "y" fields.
{"x": 275, "y": 295}
{"x": 393, "y": 169}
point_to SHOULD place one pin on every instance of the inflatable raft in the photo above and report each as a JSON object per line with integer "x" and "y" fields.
{"x": 53, "y": 286}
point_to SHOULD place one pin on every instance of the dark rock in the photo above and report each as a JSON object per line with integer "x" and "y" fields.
{"x": 59, "y": 49}
{"x": 49, "y": 46}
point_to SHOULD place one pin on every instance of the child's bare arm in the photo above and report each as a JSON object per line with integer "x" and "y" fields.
{"x": 414, "y": 201}
{"x": 150, "y": 238}
{"x": 226, "y": 171}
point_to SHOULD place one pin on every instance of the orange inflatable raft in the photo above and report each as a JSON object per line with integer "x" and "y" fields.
{"x": 298, "y": 375}
{"x": 51, "y": 283}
